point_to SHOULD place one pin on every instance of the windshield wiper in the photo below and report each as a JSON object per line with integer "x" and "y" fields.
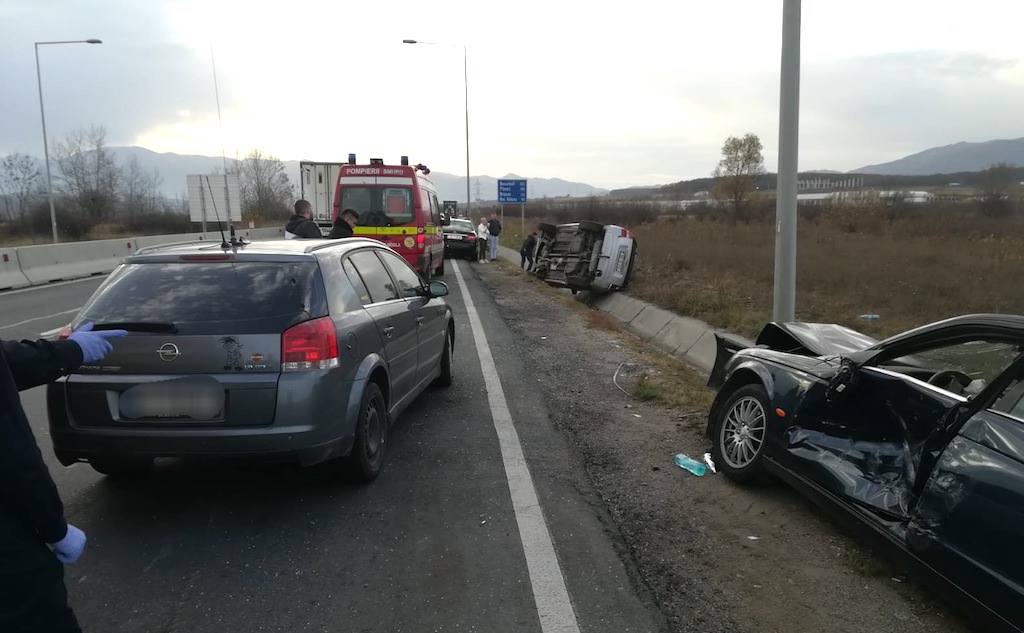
{"x": 160, "y": 327}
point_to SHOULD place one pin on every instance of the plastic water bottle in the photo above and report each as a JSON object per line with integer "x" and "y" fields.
{"x": 869, "y": 317}
{"x": 692, "y": 465}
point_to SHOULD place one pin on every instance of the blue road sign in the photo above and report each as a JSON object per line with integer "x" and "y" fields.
{"x": 512, "y": 191}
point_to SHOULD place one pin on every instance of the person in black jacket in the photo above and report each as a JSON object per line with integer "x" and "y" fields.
{"x": 345, "y": 224}
{"x": 494, "y": 228}
{"x": 35, "y": 540}
{"x": 301, "y": 224}
{"x": 526, "y": 252}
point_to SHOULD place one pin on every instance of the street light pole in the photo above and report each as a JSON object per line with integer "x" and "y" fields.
{"x": 784, "y": 308}
{"x": 465, "y": 84}
{"x": 42, "y": 114}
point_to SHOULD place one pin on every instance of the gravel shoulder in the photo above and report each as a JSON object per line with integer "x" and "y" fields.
{"x": 713, "y": 555}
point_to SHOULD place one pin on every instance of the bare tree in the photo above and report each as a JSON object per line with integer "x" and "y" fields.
{"x": 742, "y": 162}
{"x": 266, "y": 191}
{"x": 140, "y": 190}
{"x": 18, "y": 176}
{"x": 89, "y": 171}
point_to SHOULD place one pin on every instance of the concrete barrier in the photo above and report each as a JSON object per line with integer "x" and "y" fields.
{"x": 10, "y": 270}
{"x": 53, "y": 262}
{"x": 40, "y": 264}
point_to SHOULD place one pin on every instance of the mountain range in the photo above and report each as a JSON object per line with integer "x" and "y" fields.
{"x": 949, "y": 159}
{"x": 173, "y": 168}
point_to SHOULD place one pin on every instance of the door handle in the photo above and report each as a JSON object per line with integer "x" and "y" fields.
{"x": 420, "y": 320}
{"x": 389, "y": 330}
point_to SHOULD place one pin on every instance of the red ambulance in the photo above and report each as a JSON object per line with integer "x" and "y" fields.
{"x": 397, "y": 204}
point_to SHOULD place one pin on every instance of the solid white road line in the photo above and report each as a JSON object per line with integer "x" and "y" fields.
{"x": 48, "y": 316}
{"x": 549, "y": 592}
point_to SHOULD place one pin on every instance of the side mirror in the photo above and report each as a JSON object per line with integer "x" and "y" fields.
{"x": 437, "y": 289}
{"x": 842, "y": 383}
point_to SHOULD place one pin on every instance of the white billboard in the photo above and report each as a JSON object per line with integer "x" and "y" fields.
{"x": 214, "y": 197}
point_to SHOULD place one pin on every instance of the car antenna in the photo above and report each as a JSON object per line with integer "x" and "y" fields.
{"x": 231, "y": 227}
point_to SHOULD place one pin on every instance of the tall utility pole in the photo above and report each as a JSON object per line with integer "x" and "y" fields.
{"x": 789, "y": 132}
{"x": 42, "y": 114}
{"x": 465, "y": 84}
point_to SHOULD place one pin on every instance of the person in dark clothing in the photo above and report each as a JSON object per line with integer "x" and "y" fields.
{"x": 301, "y": 224}
{"x": 345, "y": 224}
{"x": 526, "y": 252}
{"x": 35, "y": 540}
{"x": 494, "y": 229}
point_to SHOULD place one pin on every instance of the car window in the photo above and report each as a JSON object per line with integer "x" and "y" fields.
{"x": 980, "y": 360}
{"x": 357, "y": 282}
{"x": 375, "y": 277}
{"x": 1011, "y": 401}
{"x": 409, "y": 281}
{"x": 222, "y": 297}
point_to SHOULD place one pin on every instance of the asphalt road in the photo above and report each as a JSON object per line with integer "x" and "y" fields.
{"x": 447, "y": 539}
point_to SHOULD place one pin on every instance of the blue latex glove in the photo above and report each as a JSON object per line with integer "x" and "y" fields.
{"x": 69, "y": 548}
{"x": 95, "y": 345}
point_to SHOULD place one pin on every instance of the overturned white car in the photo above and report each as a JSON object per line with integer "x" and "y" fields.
{"x": 585, "y": 256}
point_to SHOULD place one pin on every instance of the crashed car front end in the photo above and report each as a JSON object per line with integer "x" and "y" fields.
{"x": 916, "y": 442}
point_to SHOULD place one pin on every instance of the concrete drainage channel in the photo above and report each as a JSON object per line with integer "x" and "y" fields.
{"x": 691, "y": 340}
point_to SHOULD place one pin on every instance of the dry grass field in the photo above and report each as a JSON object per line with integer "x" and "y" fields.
{"x": 910, "y": 266}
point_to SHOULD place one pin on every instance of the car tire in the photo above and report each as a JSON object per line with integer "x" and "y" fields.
{"x": 445, "y": 378}
{"x": 427, "y": 272}
{"x": 121, "y": 467}
{"x": 547, "y": 229}
{"x": 738, "y": 434}
{"x": 440, "y": 269}
{"x": 591, "y": 227}
{"x": 367, "y": 457}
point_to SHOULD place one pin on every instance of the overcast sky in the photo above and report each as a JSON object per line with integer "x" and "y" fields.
{"x": 612, "y": 94}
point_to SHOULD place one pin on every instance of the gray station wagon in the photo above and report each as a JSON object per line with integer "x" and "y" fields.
{"x": 293, "y": 350}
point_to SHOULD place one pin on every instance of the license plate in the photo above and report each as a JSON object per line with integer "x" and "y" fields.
{"x": 191, "y": 398}
{"x": 455, "y": 237}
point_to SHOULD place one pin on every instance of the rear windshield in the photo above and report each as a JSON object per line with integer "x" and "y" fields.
{"x": 379, "y": 205}
{"x": 462, "y": 225}
{"x": 210, "y": 297}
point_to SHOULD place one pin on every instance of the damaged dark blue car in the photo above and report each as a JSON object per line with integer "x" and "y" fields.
{"x": 915, "y": 442}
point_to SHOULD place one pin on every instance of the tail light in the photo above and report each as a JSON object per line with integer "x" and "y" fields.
{"x": 420, "y": 240}
{"x": 471, "y": 238}
{"x": 310, "y": 345}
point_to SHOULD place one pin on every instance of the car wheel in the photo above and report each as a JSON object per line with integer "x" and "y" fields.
{"x": 547, "y": 229}
{"x": 427, "y": 272}
{"x": 445, "y": 379}
{"x": 591, "y": 227}
{"x": 440, "y": 269}
{"x": 739, "y": 432}
{"x": 119, "y": 467}
{"x": 367, "y": 457}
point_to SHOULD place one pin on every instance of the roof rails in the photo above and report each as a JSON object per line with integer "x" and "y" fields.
{"x": 347, "y": 240}
{"x": 145, "y": 250}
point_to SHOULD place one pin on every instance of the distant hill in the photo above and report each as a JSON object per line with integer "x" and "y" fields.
{"x": 959, "y": 157}
{"x": 174, "y": 167}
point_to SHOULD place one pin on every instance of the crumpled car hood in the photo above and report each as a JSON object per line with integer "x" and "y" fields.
{"x": 813, "y": 339}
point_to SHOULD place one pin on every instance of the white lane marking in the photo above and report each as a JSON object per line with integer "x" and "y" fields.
{"x": 53, "y": 284}
{"x": 48, "y": 316}
{"x": 549, "y": 592}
